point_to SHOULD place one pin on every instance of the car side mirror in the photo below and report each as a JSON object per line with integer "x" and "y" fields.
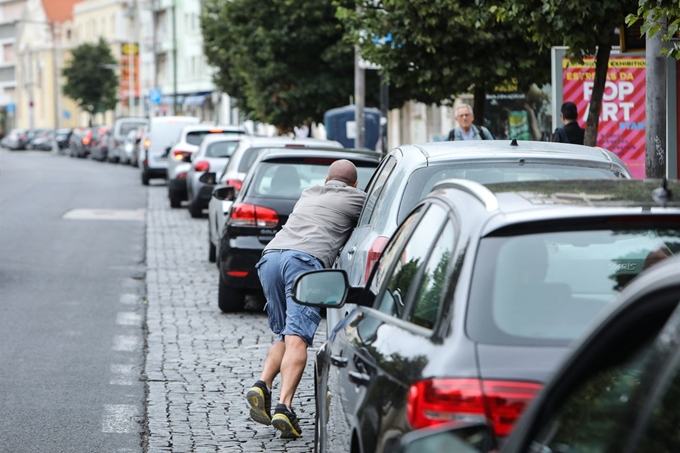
{"x": 321, "y": 288}
{"x": 226, "y": 193}
{"x": 472, "y": 438}
{"x": 208, "y": 178}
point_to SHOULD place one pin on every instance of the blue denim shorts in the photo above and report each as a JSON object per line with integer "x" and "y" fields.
{"x": 277, "y": 271}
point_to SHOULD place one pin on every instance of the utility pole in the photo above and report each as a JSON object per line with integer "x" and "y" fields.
{"x": 174, "y": 57}
{"x": 132, "y": 52}
{"x": 359, "y": 101}
{"x": 655, "y": 115}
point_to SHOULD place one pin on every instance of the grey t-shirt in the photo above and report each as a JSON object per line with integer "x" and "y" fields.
{"x": 321, "y": 221}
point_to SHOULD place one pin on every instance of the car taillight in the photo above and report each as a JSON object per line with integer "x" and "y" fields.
{"x": 86, "y": 140}
{"x": 202, "y": 165}
{"x": 147, "y": 143}
{"x": 245, "y": 214}
{"x": 501, "y": 403}
{"x": 181, "y": 176}
{"x": 374, "y": 255}
{"x": 235, "y": 183}
{"x": 180, "y": 155}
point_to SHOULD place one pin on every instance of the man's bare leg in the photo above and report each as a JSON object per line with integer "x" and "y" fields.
{"x": 292, "y": 366}
{"x": 272, "y": 364}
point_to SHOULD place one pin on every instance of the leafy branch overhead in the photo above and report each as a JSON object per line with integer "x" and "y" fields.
{"x": 90, "y": 79}
{"x": 655, "y": 14}
{"x": 284, "y": 62}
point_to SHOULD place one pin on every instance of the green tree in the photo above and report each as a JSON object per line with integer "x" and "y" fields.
{"x": 90, "y": 79}
{"x": 653, "y": 13}
{"x": 284, "y": 61}
{"x": 586, "y": 28}
{"x": 443, "y": 48}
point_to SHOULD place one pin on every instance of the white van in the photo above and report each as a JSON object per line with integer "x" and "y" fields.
{"x": 121, "y": 129}
{"x": 163, "y": 132}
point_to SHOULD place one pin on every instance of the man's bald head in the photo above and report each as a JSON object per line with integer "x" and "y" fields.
{"x": 344, "y": 171}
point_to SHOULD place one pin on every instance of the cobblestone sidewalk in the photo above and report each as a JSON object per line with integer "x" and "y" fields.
{"x": 200, "y": 362}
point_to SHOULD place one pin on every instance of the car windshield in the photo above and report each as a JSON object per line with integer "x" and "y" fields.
{"x": 128, "y": 126}
{"x": 422, "y": 180}
{"x": 221, "y": 149}
{"x": 545, "y": 288}
{"x": 287, "y": 179}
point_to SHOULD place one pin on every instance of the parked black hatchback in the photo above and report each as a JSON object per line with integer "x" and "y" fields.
{"x": 475, "y": 301}
{"x": 270, "y": 190}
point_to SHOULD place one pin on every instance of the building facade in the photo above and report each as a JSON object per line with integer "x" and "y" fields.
{"x": 11, "y": 11}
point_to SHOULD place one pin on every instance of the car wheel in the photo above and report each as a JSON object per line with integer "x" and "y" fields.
{"x": 230, "y": 299}
{"x": 212, "y": 251}
{"x": 145, "y": 178}
{"x": 195, "y": 211}
{"x": 175, "y": 201}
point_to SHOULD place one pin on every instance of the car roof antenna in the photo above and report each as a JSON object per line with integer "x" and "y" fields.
{"x": 514, "y": 142}
{"x": 662, "y": 195}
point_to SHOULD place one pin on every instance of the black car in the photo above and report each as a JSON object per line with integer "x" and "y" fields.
{"x": 270, "y": 190}
{"x": 63, "y": 137}
{"x": 475, "y": 301}
{"x": 618, "y": 391}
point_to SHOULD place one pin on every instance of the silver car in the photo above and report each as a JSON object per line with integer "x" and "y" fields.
{"x": 408, "y": 173}
{"x": 212, "y": 156}
{"x": 179, "y": 156}
{"x": 121, "y": 128}
{"x": 235, "y": 171}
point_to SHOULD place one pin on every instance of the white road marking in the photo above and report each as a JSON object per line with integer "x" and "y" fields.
{"x": 129, "y": 318}
{"x": 119, "y": 418}
{"x": 106, "y": 214}
{"x": 128, "y": 343}
{"x": 123, "y": 374}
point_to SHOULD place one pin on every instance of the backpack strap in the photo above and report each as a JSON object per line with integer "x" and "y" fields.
{"x": 481, "y": 132}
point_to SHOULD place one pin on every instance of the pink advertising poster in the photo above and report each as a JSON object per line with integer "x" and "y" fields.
{"x": 622, "y": 120}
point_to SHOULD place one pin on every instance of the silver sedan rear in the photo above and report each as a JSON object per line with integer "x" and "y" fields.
{"x": 212, "y": 155}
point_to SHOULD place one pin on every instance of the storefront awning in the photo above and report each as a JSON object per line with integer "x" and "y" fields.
{"x": 196, "y": 99}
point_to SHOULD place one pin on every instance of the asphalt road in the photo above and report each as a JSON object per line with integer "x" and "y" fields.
{"x": 71, "y": 305}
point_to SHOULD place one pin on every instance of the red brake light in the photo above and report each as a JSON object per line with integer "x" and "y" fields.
{"x": 181, "y": 176}
{"x": 202, "y": 165}
{"x": 237, "y": 273}
{"x": 86, "y": 140}
{"x": 180, "y": 155}
{"x": 216, "y": 131}
{"x": 235, "y": 183}
{"x": 436, "y": 401}
{"x": 245, "y": 214}
{"x": 374, "y": 255}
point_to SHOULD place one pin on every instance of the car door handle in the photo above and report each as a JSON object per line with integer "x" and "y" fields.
{"x": 352, "y": 250}
{"x": 339, "y": 361}
{"x": 359, "y": 378}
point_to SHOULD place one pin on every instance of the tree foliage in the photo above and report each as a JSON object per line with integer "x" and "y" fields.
{"x": 89, "y": 81}
{"x": 587, "y": 28}
{"x": 284, "y": 61}
{"x": 654, "y": 13}
{"x": 443, "y": 48}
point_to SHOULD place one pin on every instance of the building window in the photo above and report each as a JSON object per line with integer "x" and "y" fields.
{"x": 8, "y": 53}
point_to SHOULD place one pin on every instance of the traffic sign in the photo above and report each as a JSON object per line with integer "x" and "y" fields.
{"x": 155, "y": 96}
{"x": 10, "y": 108}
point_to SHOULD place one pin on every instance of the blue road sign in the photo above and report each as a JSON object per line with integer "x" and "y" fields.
{"x": 155, "y": 96}
{"x": 67, "y": 114}
{"x": 11, "y": 108}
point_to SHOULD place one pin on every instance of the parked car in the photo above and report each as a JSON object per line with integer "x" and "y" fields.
{"x": 99, "y": 145}
{"x": 180, "y": 156}
{"x": 121, "y": 128}
{"x": 15, "y": 140}
{"x": 76, "y": 142}
{"x": 161, "y": 133}
{"x": 474, "y": 302}
{"x": 141, "y": 142}
{"x": 31, "y": 135}
{"x": 212, "y": 156}
{"x": 409, "y": 172}
{"x": 269, "y": 193}
{"x": 63, "y": 137}
{"x": 234, "y": 172}
{"x": 618, "y": 390}
{"x": 43, "y": 141}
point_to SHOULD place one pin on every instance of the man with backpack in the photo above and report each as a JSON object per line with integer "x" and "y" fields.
{"x": 571, "y": 132}
{"x": 467, "y": 130}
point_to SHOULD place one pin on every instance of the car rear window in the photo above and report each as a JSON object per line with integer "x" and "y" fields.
{"x": 196, "y": 137}
{"x": 287, "y": 179}
{"x": 221, "y": 149}
{"x": 423, "y": 179}
{"x": 128, "y": 126}
{"x": 545, "y": 288}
